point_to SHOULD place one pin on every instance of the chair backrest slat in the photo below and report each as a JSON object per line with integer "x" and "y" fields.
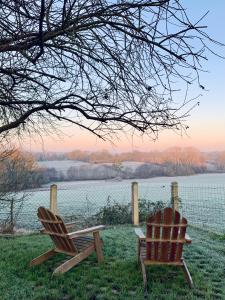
{"x": 165, "y": 236}
{"x": 174, "y": 235}
{"x": 158, "y": 219}
{"x": 56, "y": 228}
{"x": 149, "y": 250}
{"x": 53, "y": 228}
{"x": 165, "y": 247}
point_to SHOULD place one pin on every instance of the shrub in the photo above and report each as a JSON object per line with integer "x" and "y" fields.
{"x": 115, "y": 213}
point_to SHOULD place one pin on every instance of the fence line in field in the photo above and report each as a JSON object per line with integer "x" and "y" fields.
{"x": 203, "y": 206}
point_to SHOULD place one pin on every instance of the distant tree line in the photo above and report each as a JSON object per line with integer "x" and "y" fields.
{"x": 174, "y": 155}
{"x": 106, "y": 172}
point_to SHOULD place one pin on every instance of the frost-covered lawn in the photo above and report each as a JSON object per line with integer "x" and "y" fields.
{"x": 119, "y": 277}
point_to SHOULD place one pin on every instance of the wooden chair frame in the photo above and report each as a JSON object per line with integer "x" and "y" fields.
{"x": 163, "y": 243}
{"x": 76, "y": 244}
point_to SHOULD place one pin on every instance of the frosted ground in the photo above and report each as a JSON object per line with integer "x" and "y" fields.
{"x": 202, "y": 198}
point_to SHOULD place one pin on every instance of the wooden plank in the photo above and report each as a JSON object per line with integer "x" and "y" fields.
{"x": 53, "y": 198}
{"x": 149, "y": 231}
{"x": 167, "y": 240}
{"x": 66, "y": 266}
{"x": 174, "y": 196}
{"x": 69, "y": 245}
{"x": 83, "y": 244}
{"x": 162, "y": 263}
{"x": 74, "y": 234}
{"x": 165, "y": 245}
{"x": 156, "y": 235}
{"x": 187, "y": 238}
{"x": 134, "y": 203}
{"x": 53, "y": 233}
{"x": 143, "y": 250}
{"x": 187, "y": 274}
{"x": 56, "y": 229}
{"x": 50, "y": 221}
{"x": 42, "y": 214}
{"x": 43, "y": 257}
{"x": 70, "y": 225}
{"x": 164, "y": 241}
{"x": 138, "y": 249}
{"x": 65, "y": 252}
{"x": 181, "y": 236}
{"x": 84, "y": 238}
{"x": 143, "y": 273}
{"x": 174, "y": 235}
{"x": 98, "y": 246}
{"x": 167, "y": 225}
{"x": 139, "y": 233}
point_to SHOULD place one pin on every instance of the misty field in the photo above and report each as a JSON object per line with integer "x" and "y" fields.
{"x": 202, "y": 198}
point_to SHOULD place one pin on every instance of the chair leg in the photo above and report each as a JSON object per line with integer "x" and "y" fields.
{"x": 98, "y": 246}
{"x": 43, "y": 257}
{"x": 187, "y": 274}
{"x": 138, "y": 250}
{"x": 66, "y": 266}
{"x": 143, "y": 269}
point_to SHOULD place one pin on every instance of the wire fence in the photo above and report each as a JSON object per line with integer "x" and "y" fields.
{"x": 203, "y": 206}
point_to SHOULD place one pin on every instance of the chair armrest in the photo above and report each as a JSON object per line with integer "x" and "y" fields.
{"x": 78, "y": 233}
{"x": 187, "y": 239}
{"x": 139, "y": 233}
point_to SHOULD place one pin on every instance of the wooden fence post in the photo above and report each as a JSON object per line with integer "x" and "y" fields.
{"x": 174, "y": 196}
{"x": 53, "y": 198}
{"x": 134, "y": 203}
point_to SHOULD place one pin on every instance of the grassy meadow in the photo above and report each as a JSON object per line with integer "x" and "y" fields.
{"x": 118, "y": 278}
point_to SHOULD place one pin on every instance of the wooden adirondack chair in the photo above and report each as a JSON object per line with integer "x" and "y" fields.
{"x": 163, "y": 244}
{"x": 76, "y": 244}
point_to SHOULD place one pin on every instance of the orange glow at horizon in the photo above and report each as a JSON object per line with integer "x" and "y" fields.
{"x": 206, "y": 133}
{"x": 78, "y": 139}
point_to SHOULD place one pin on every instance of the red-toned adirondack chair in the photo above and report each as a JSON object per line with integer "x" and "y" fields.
{"x": 163, "y": 244}
{"x": 76, "y": 244}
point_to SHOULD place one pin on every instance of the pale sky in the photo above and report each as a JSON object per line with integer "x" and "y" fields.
{"x": 207, "y": 121}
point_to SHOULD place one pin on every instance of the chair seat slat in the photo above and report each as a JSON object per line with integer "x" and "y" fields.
{"x": 166, "y": 225}
{"x": 179, "y": 241}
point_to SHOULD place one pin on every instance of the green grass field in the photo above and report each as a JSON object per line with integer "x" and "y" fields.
{"x": 119, "y": 277}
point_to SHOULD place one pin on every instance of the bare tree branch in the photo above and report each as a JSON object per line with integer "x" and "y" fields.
{"x": 104, "y": 66}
